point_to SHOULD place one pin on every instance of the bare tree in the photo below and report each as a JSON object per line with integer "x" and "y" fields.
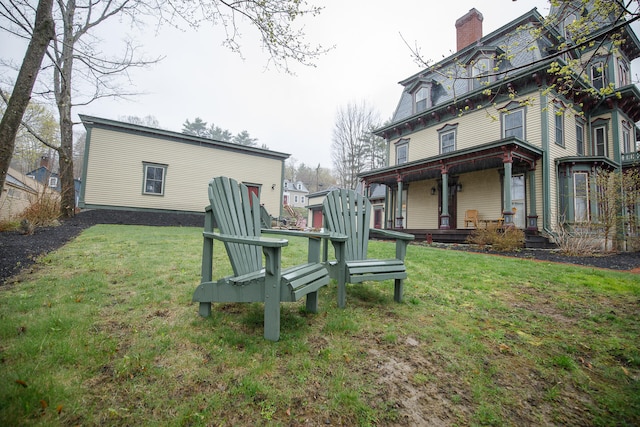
{"x": 78, "y": 62}
{"x": 351, "y": 148}
{"x": 41, "y": 33}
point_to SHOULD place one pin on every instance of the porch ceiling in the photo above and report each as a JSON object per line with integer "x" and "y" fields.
{"x": 487, "y": 156}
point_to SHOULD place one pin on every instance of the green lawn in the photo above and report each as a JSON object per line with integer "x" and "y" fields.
{"x": 103, "y": 332}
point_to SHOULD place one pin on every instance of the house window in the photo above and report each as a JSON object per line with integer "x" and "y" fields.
{"x": 580, "y": 139}
{"x": 421, "y": 99}
{"x": 626, "y": 137}
{"x": 295, "y": 199}
{"x": 623, "y": 73}
{"x": 480, "y": 70}
{"x": 559, "y": 119}
{"x": 600, "y": 141}
{"x": 447, "y": 138}
{"x": 402, "y": 151}
{"x": 301, "y": 199}
{"x": 154, "y": 178}
{"x": 581, "y": 197}
{"x": 53, "y": 182}
{"x": 597, "y": 75}
{"x": 513, "y": 123}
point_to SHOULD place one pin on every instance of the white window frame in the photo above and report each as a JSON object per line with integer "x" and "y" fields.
{"x": 480, "y": 70}
{"x": 600, "y": 130}
{"x": 53, "y": 182}
{"x": 422, "y": 99}
{"x": 402, "y": 146}
{"x": 626, "y": 138}
{"x": 623, "y": 73}
{"x": 559, "y": 125}
{"x": 581, "y": 202}
{"x": 579, "y": 138}
{"x": 598, "y": 77}
{"x": 150, "y": 190}
{"x": 450, "y": 132}
{"x": 508, "y": 132}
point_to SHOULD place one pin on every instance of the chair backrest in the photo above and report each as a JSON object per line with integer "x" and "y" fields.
{"x": 237, "y": 213}
{"x": 471, "y": 215}
{"x": 347, "y": 212}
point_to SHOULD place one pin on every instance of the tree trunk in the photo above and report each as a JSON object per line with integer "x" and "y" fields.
{"x": 42, "y": 34}
{"x": 63, "y": 93}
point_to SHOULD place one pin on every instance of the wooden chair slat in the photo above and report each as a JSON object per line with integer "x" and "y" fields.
{"x": 349, "y": 213}
{"x": 236, "y": 211}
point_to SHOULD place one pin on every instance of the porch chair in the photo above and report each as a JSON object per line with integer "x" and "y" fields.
{"x": 349, "y": 213}
{"x": 237, "y": 215}
{"x": 471, "y": 216}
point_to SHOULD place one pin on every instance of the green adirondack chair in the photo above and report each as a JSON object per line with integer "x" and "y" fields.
{"x": 237, "y": 216}
{"x": 348, "y": 213}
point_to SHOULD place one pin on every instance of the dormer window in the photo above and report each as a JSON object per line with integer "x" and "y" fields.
{"x": 481, "y": 68}
{"x": 422, "y": 99}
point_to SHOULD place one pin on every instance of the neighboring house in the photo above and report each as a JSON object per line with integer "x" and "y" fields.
{"x": 294, "y": 193}
{"x": 44, "y": 174}
{"x": 314, "y": 206}
{"x": 18, "y": 193}
{"x": 527, "y": 155}
{"x": 135, "y": 167}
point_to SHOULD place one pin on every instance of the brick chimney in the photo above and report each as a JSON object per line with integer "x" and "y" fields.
{"x": 469, "y": 28}
{"x": 44, "y": 162}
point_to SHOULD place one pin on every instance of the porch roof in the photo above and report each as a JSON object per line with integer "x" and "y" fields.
{"x": 486, "y": 156}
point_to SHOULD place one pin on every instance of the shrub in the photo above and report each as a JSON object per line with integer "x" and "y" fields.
{"x": 509, "y": 239}
{"x": 580, "y": 240}
{"x": 43, "y": 212}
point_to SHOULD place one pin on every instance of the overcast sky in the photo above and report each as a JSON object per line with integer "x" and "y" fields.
{"x": 296, "y": 114}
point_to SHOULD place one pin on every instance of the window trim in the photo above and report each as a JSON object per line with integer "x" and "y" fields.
{"x": 626, "y": 138}
{"x": 480, "y": 78}
{"x": 448, "y": 130}
{"x": 145, "y": 167}
{"x": 605, "y": 142}
{"x": 585, "y": 198}
{"x": 514, "y": 108}
{"x": 598, "y": 67}
{"x": 623, "y": 73}
{"x": 427, "y": 98}
{"x": 558, "y": 111}
{"x": 580, "y": 139}
{"x": 402, "y": 144}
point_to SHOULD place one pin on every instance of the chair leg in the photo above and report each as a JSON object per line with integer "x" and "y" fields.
{"x": 342, "y": 293}
{"x": 272, "y": 318}
{"x": 312, "y": 302}
{"x": 205, "y": 309}
{"x": 397, "y": 291}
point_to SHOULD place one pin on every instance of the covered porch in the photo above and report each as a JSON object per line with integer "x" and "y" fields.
{"x": 429, "y": 197}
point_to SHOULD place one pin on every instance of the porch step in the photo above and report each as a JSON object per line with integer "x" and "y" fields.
{"x": 536, "y": 241}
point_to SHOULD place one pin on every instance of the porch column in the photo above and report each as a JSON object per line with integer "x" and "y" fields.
{"x": 444, "y": 214}
{"x": 507, "y": 213}
{"x": 532, "y": 217}
{"x": 399, "y": 217}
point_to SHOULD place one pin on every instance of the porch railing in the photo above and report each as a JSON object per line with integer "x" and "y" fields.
{"x": 630, "y": 158}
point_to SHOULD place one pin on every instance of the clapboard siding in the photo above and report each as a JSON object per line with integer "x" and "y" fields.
{"x": 114, "y": 171}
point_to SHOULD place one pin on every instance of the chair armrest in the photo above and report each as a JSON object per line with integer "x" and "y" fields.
{"x": 257, "y": 241}
{"x": 398, "y": 235}
{"x": 298, "y": 233}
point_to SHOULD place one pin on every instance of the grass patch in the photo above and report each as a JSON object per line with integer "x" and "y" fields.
{"x": 104, "y": 332}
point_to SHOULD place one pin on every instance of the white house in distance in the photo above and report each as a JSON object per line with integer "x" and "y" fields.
{"x": 133, "y": 167}
{"x": 295, "y": 193}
